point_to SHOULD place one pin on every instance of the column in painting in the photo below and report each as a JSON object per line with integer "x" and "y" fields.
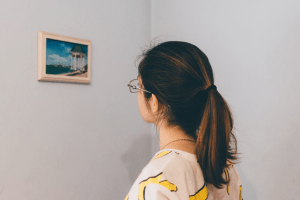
{"x": 78, "y": 59}
{"x": 76, "y": 62}
{"x": 80, "y": 66}
{"x": 80, "y": 56}
{"x": 75, "y": 68}
{"x": 71, "y": 62}
{"x": 82, "y": 62}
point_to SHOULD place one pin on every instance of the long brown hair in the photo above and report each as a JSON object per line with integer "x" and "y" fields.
{"x": 179, "y": 73}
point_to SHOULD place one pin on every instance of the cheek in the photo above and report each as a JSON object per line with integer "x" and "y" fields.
{"x": 143, "y": 108}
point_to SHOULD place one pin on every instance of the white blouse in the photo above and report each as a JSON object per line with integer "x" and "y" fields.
{"x": 176, "y": 175}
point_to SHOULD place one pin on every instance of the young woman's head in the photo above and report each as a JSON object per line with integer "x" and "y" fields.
{"x": 177, "y": 75}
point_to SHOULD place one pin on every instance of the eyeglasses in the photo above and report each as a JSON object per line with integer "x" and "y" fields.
{"x": 134, "y": 86}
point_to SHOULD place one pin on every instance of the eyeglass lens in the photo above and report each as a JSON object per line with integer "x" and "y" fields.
{"x": 134, "y": 85}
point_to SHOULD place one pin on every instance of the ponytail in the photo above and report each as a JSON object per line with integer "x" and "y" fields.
{"x": 214, "y": 139}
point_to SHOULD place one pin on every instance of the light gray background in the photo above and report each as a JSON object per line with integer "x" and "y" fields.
{"x": 71, "y": 141}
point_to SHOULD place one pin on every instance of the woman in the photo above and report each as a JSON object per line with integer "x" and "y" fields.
{"x": 176, "y": 92}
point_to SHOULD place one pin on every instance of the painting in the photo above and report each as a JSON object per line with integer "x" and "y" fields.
{"x": 63, "y": 58}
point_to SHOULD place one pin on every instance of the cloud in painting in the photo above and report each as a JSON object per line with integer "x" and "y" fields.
{"x": 68, "y": 50}
{"x": 56, "y": 59}
{"x": 65, "y": 48}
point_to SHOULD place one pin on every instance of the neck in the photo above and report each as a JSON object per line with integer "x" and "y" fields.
{"x": 168, "y": 134}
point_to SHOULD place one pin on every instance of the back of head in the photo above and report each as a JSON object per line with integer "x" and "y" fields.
{"x": 178, "y": 74}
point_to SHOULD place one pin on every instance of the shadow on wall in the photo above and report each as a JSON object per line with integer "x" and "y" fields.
{"x": 138, "y": 155}
{"x": 248, "y": 188}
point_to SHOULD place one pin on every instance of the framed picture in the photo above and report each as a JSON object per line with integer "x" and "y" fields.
{"x": 63, "y": 59}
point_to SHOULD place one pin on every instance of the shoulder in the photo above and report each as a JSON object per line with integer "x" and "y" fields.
{"x": 174, "y": 162}
{"x": 174, "y": 171}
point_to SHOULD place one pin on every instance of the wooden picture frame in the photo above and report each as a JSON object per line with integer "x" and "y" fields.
{"x": 63, "y": 59}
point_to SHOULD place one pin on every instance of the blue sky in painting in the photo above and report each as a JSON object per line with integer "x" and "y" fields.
{"x": 58, "y": 52}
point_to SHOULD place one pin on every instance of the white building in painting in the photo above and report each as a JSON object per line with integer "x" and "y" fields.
{"x": 77, "y": 58}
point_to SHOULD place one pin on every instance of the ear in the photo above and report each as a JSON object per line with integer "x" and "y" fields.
{"x": 153, "y": 104}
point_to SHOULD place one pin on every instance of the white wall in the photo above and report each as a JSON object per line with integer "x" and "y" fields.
{"x": 254, "y": 49}
{"x": 71, "y": 141}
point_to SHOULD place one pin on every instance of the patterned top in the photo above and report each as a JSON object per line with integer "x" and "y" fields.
{"x": 176, "y": 175}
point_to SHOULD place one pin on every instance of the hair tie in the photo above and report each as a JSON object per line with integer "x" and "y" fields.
{"x": 211, "y": 88}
